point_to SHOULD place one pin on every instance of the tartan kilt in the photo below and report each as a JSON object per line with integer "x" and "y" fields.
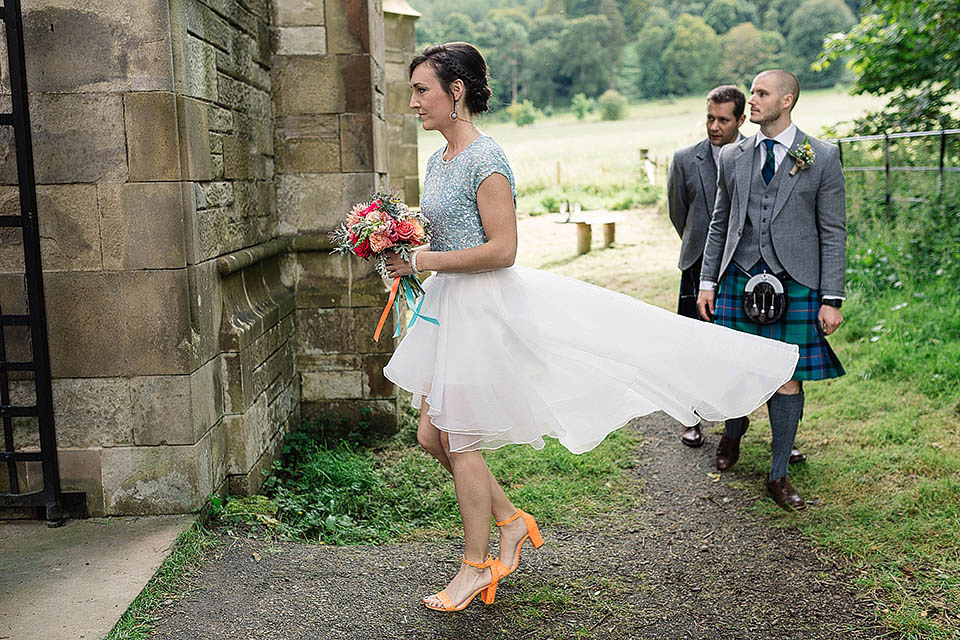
{"x": 798, "y": 326}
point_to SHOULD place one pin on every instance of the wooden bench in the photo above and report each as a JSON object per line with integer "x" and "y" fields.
{"x": 584, "y": 224}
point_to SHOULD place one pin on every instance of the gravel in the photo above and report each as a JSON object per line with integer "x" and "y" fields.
{"x": 692, "y": 560}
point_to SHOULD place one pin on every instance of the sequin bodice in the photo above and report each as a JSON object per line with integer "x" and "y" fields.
{"x": 449, "y": 198}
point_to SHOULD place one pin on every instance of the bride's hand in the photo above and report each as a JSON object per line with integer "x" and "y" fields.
{"x": 396, "y": 266}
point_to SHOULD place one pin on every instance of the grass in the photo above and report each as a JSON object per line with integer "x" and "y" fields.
{"x": 188, "y": 549}
{"x": 598, "y": 163}
{"x": 340, "y": 493}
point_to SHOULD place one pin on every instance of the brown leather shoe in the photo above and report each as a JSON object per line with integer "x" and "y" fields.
{"x": 728, "y": 450}
{"x": 692, "y": 436}
{"x": 784, "y": 495}
{"x": 796, "y": 456}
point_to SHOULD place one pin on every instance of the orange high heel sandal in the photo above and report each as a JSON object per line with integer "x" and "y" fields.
{"x": 488, "y": 592}
{"x": 533, "y": 533}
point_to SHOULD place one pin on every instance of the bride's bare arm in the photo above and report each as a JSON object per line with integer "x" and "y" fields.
{"x": 497, "y": 213}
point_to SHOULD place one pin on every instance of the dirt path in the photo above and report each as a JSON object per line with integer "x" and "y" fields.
{"x": 691, "y": 561}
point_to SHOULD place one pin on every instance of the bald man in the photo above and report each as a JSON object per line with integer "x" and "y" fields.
{"x": 784, "y": 217}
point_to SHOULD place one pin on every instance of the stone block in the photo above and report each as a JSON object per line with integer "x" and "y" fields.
{"x": 411, "y": 191}
{"x": 85, "y": 324}
{"x": 326, "y": 331}
{"x": 246, "y": 436}
{"x": 358, "y": 81}
{"x": 69, "y": 234}
{"x": 365, "y": 325}
{"x": 378, "y": 416}
{"x": 298, "y": 12}
{"x": 152, "y": 140}
{"x": 219, "y": 119}
{"x": 236, "y": 157}
{"x": 375, "y": 385}
{"x": 194, "y": 130}
{"x": 316, "y": 363}
{"x": 319, "y": 202}
{"x": 331, "y": 385}
{"x": 93, "y": 412}
{"x": 309, "y": 155}
{"x": 325, "y": 126}
{"x": 403, "y": 162}
{"x": 198, "y": 76}
{"x": 142, "y": 225}
{"x": 348, "y": 24}
{"x": 158, "y": 332}
{"x": 306, "y": 41}
{"x": 77, "y": 138}
{"x": 308, "y": 85}
{"x": 157, "y": 480}
{"x": 357, "y": 142}
{"x": 206, "y": 303}
{"x": 161, "y": 409}
{"x": 111, "y": 46}
{"x": 81, "y": 470}
{"x": 338, "y": 281}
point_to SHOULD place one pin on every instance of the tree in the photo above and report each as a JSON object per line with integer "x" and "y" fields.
{"x": 586, "y": 62}
{"x": 617, "y": 37}
{"x": 457, "y": 27}
{"x": 723, "y": 15}
{"x": 612, "y": 105}
{"x": 906, "y": 50}
{"x": 541, "y": 73}
{"x": 690, "y": 60}
{"x": 656, "y": 34}
{"x": 747, "y": 51}
{"x": 807, "y": 28}
{"x": 581, "y": 105}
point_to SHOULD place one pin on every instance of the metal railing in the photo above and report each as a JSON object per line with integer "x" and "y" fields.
{"x": 908, "y": 168}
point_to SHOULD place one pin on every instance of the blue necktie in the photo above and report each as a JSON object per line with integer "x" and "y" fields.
{"x": 769, "y": 164}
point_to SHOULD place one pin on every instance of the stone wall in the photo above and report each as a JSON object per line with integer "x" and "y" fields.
{"x": 190, "y": 155}
{"x": 399, "y": 19}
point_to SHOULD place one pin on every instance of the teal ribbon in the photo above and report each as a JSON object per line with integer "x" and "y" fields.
{"x": 415, "y": 311}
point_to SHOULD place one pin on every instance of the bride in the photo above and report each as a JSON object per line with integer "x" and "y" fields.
{"x": 520, "y": 354}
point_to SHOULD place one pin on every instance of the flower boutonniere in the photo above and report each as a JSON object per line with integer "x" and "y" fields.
{"x": 804, "y": 155}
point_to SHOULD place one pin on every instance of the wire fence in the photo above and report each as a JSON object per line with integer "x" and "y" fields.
{"x": 896, "y": 171}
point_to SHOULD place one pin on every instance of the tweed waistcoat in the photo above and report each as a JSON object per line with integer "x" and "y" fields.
{"x": 755, "y": 242}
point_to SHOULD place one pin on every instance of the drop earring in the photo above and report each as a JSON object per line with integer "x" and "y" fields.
{"x": 453, "y": 114}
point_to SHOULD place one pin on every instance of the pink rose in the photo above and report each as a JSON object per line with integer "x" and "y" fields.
{"x": 363, "y": 249}
{"x": 419, "y": 233}
{"x": 392, "y": 231}
{"x": 405, "y": 230}
{"x": 380, "y": 241}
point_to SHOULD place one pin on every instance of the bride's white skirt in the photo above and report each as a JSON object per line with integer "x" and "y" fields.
{"x": 520, "y": 354}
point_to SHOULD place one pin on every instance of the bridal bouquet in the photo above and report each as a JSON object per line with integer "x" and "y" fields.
{"x": 373, "y": 228}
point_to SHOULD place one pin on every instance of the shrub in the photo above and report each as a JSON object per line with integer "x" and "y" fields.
{"x": 522, "y": 113}
{"x": 613, "y": 106}
{"x": 582, "y": 105}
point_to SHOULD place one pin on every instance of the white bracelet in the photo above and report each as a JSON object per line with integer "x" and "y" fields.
{"x": 413, "y": 263}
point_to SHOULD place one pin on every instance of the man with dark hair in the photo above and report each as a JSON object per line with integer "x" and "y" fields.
{"x": 691, "y": 191}
{"x": 776, "y": 251}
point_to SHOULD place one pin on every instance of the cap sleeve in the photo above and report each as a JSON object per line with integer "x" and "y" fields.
{"x": 492, "y": 160}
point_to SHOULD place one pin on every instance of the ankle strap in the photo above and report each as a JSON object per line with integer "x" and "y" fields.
{"x": 479, "y": 565}
{"x": 511, "y": 518}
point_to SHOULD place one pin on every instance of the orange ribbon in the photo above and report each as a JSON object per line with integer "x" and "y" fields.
{"x": 386, "y": 309}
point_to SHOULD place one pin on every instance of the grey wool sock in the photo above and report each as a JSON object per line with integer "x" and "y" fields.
{"x": 734, "y": 427}
{"x": 785, "y": 411}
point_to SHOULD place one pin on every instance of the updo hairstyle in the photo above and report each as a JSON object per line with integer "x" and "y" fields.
{"x": 458, "y": 60}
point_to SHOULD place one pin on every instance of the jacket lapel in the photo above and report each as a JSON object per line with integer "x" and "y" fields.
{"x": 744, "y": 165}
{"x": 708, "y": 173}
{"x": 787, "y": 182}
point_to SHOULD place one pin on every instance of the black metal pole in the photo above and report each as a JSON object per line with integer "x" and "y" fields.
{"x": 886, "y": 169}
{"x": 31, "y": 251}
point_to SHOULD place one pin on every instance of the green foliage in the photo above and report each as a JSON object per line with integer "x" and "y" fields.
{"x": 612, "y": 105}
{"x": 690, "y": 60}
{"x": 336, "y": 493}
{"x": 747, "y": 51}
{"x": 581, "y": 105}
{"x": 808, "y": 26}
{"x": 723, "y": 15}
{"x": 906, "y": 50}
{"x": 522, "y": 113}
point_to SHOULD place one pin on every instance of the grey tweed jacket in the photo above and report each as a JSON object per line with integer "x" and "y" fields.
{"x": 808, "y": 222}
{"x": 691, "y": 191}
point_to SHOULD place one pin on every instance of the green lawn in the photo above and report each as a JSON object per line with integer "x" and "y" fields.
{"x": 592, "y": 152}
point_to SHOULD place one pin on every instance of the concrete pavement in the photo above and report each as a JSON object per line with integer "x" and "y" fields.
{"x": 74, "y": 582}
